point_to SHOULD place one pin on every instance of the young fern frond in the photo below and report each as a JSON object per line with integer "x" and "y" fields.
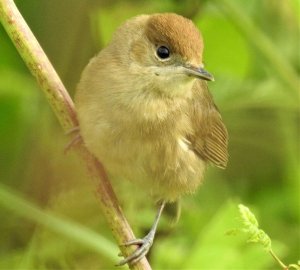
{"x": 251, "y": 228}
{"x": 257, "y": 235}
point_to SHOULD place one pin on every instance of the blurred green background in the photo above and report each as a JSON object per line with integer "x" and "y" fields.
{"x": 50, "y": 218}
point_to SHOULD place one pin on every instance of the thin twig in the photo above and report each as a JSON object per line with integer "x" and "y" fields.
{"x": 283, "y": 266}
{"x": 63, "y": 107}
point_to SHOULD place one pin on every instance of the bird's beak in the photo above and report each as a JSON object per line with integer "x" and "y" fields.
{"x": 199, "y": 72}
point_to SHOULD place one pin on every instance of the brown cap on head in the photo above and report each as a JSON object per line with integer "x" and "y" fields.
{"x": 176, "y": 32}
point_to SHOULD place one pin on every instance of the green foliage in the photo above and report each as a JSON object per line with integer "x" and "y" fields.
{"x": 256, "y": 235}
{"x": 260, "y": 107}
{"x": 250, "y": 224}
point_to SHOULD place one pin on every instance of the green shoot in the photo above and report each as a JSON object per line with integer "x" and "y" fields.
{"x": 257, "y": 235}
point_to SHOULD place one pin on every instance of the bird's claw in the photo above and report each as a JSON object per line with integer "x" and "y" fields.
{"x": 75, "y": 132}
{"x": 144, "y": 246}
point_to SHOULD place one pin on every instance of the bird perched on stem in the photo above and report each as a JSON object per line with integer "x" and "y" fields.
{"x": 146, "y": 113}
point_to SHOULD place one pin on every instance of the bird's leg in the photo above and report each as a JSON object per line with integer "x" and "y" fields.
{"x": 143, "y": 243}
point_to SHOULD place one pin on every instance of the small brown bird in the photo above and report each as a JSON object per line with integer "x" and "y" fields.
{"x": 145, "y": 111}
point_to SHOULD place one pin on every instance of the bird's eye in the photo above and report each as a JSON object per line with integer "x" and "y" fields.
{"x": 163, "y": 52}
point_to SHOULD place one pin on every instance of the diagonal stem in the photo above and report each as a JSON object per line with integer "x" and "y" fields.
{"x": 63, "y": 107}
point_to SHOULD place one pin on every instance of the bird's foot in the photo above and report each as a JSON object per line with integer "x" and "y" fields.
{"x": 75, "y": 132}
{"x": 144, "y": 246}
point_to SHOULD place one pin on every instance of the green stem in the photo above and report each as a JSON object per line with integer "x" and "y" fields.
{"x": 294, "y": 266}
{"x": 263, "y": 44}
{"x": 63, "y": 107}
{"x": 283, "y": 266}
{"x": 82, "y": 235}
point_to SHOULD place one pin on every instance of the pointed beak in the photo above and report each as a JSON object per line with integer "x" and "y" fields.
{"x": 199, "y": 72}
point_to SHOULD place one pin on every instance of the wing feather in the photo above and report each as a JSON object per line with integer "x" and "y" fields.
{"x": 210, "y": 138}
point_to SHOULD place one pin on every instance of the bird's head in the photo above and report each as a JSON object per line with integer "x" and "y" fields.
{"x": 166, "y": 52}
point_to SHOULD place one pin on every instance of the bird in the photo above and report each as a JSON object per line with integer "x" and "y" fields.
{"x": 145, "y": 111}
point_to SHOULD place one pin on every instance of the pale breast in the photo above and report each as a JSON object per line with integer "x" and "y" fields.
{"x": 164, "y": 166}
{"x": 146, "y": 148}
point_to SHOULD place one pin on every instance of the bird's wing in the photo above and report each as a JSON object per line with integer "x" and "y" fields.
{"x": 209, "y": 139}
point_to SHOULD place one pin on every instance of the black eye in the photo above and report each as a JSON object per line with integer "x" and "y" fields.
{"x": 163, "y": 52}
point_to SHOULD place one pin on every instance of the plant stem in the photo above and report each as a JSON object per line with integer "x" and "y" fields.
{"x": 63, "y": 107}
{"x": 282, "y": 69}
{"x": 278, "y": 260}
{"x": 84, "y": 236}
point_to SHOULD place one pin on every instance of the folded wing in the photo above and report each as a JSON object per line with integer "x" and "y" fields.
{"x": 209, "y": 138}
